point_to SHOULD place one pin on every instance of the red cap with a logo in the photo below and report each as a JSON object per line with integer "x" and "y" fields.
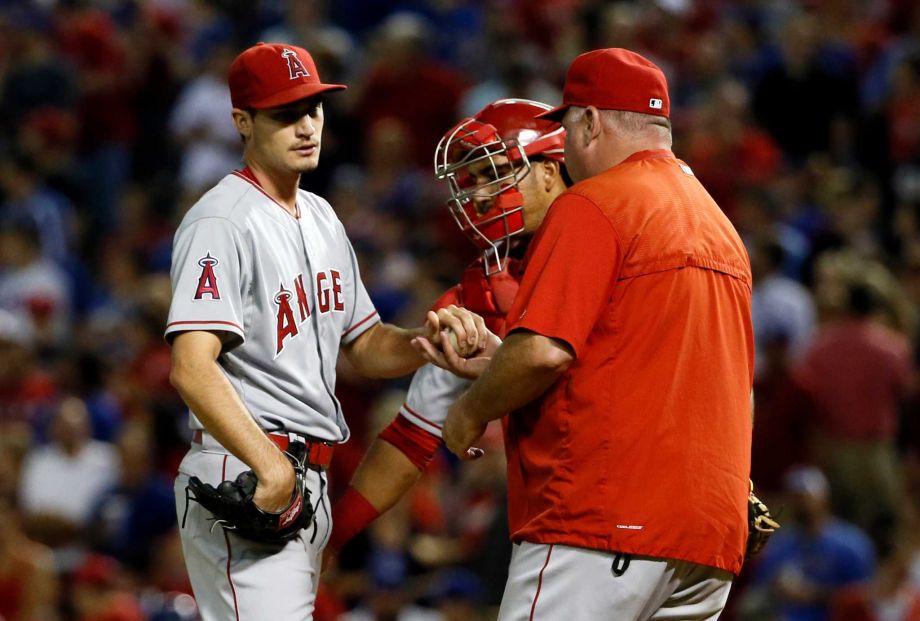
{"x": 268, "y": 75}
{"x": 614, "y": 79}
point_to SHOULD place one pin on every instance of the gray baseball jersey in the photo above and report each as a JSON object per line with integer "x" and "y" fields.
{"x": 431, "y": 393}
{"x": 287, "y": 292}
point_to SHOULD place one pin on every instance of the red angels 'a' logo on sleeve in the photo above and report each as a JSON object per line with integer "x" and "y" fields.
{"x": 207, "y": 282}
{"x": 296, "y": 67}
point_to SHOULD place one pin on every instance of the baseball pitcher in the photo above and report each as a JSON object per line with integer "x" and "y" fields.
{"x": 266, "y": 293}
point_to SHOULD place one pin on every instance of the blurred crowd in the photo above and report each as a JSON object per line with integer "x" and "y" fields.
{"x": 801, "y": 117}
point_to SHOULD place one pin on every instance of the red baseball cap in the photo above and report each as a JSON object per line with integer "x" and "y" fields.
{"x": 614, "y": 79}
{"x": 268, "y": 75}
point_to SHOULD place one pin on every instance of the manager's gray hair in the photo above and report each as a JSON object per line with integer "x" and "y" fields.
{"x": 629, "y": 123}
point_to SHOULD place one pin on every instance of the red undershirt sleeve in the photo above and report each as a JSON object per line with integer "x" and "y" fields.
{"x": 413, "y": 441}
{"x": 350, "y": 515}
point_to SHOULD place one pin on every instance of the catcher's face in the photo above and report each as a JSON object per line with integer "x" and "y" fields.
{"x": 489, "y": 178}
{"x": 493, "y": 177}
{"x": 286, "y": 139}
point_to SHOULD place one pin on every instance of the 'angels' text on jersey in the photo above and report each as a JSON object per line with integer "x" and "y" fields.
{"x": 329, "y": 298}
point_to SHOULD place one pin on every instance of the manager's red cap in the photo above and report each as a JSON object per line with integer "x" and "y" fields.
{"x": 614, "y": 79}
{"x": 274, "y": 74}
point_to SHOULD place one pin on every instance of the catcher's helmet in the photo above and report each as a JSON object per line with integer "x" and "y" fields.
{"x": 496, "y": 144}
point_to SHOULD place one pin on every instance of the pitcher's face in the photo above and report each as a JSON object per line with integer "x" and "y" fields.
{"x": 288, "y": 138}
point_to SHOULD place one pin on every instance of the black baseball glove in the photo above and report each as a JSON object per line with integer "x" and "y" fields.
{"x": 233, "y": 509}
{"x": 761, "y": 524}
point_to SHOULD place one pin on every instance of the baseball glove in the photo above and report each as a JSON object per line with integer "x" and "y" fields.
{"x": 761, "y": 524}
{"x": 233, "y": 509}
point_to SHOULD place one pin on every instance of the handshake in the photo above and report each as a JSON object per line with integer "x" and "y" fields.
{"x": 458, "y": 341}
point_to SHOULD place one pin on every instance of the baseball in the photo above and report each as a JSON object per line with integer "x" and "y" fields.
{"x": 452, "y": 337}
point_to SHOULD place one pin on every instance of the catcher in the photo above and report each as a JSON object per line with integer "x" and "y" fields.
{"x": 504, "y": 168}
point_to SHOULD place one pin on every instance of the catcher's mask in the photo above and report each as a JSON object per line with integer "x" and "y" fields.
{"x": 484, "y": 158}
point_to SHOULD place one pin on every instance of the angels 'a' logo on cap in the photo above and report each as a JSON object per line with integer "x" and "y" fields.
{"x": 296, "y": 67}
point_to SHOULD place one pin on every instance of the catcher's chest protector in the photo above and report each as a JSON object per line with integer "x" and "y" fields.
{"x": 490, "y": 296}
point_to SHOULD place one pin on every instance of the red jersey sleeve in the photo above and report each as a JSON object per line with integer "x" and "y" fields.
{"x": 573, "y": 263}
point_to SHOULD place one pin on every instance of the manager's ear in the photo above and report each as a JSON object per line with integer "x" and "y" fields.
{"x": 591, "y": 124}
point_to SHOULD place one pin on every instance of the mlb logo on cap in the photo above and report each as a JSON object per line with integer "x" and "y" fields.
{"x": 657, "y": 104}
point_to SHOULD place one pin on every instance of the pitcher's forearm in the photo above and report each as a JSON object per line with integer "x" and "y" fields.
{"x": 211, "y": 397}
{"x": 385, "y": 351}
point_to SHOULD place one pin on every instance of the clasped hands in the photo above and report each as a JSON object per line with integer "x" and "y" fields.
{"x": 461, "y": 429}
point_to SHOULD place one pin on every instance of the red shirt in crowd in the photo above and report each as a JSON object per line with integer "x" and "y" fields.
{"x": 856, "y": 373}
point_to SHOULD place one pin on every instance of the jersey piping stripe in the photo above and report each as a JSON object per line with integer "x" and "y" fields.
{"x": 357, "y": 325}
{"x": 205, "y": 323}
{"x": 420, "y": 417}
{"x": 251, "y": 180}
{"x": 236, "y": 606}
{"x": 533, "y": 608}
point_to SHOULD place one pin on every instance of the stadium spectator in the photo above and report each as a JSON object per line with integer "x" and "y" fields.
{"x": 88, "y": 37}
{"x": 805, "y": 73}
{"x": 34, "y": 77}
{"x": 29, "y": 585}
{"x": 61, "y": 481}
{"x": 890, "y": 597}
{"x": 781, "y": 418}
{"x": 812, "y": 556}
{"x": 782, "y": 308}
{"x": 515, "y": 74}
{"x": 28, "y": 200}
{"x": 130, "y": 517}
{"x": 857, "y": 373}
{"x": 201, "y": 125}
{"x": 27, "y": 392}
{"x": 401, "y": 66}
{"x": 730, "y": 155}
{"x": 100, "y": 592}
{"x": 33, "y": 286}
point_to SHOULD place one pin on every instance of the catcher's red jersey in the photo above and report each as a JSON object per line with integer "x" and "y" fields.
{"x": 488, "y": 296}
{"x": 643, "y": 445}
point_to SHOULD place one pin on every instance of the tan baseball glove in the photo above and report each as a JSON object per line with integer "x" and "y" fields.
{"x": 761, "y": 524}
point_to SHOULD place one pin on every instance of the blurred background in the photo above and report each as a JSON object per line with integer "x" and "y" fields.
{"x": 801, "y": 117}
